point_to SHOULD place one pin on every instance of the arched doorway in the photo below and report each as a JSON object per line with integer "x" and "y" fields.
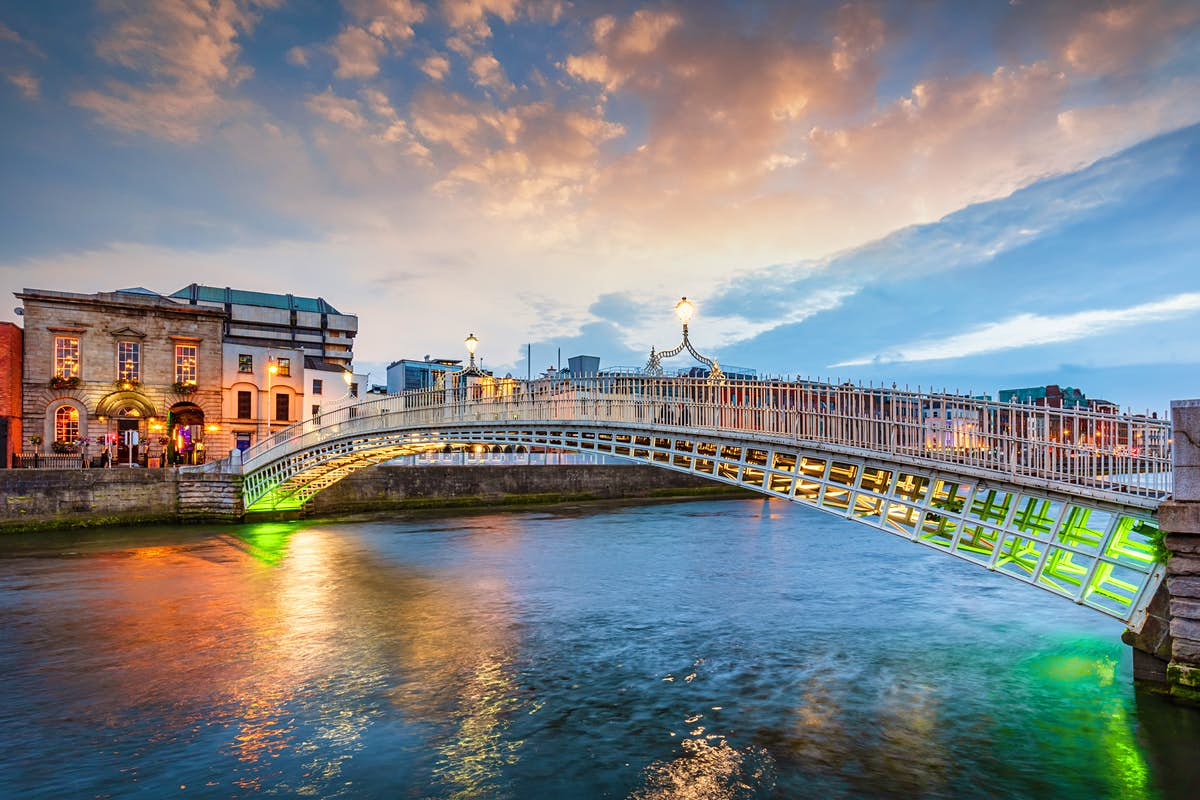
{"x": 128, "y": 419}
{"x": 185, "y": 434}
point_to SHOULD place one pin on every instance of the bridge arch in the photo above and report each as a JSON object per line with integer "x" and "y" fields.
{"x": 1085, "y": 541}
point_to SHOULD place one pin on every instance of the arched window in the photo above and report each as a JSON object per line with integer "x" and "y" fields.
{"x": 66, "y": 424}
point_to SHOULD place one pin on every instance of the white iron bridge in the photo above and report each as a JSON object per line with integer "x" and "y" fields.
{"x": 1062, "y": 499}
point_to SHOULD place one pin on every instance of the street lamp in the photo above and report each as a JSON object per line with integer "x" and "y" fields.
{"x": 685, "y": 309}
{"x": 471, "y": 342}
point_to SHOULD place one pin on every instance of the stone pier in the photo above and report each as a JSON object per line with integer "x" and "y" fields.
{"x": 210, "y": 496}
{"x": 1167, "y": 651}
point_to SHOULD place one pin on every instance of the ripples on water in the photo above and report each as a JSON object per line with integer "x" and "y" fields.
{"x": 716, "y": 649}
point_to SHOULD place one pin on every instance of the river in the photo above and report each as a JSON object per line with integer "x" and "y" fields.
{"x": 701, "y": 649}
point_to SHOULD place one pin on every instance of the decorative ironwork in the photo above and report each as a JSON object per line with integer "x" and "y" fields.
{"x": 684, "y": 309}
{"x": 472, "y": 369}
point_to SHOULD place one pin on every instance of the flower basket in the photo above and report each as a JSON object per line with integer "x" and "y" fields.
{"x": 183, "y": 388}
{"x": 128, "y": 384}
{"x": 59, "y": 382}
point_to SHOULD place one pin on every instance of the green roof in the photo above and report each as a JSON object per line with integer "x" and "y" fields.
{"x": 216, "y": 294}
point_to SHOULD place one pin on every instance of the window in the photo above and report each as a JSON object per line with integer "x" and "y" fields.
{"x": 66, "y": 356}
{"x": 281, "y": 407}
{"x": 243, "y": 405}
{"x": 316, "y": 410}
{"x": 66, "y": 424}
{"x": 245, "y": 362}
{"x": 318, "y": 385}
{"x": 185, "y": 363}
{"x": 129, "y": 361}
{"x": 285, "y": 367}
{"x": 354, "y": 390}
{"x": 243, "y": 440}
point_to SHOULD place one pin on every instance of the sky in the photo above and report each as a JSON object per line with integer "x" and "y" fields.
{"x": 964, "y": 195}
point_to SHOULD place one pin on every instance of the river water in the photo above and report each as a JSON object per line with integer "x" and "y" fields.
{"x": 703, "y": 649}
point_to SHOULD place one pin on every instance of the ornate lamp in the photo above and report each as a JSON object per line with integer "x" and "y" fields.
{"x": 685, "y": 309}
{"x": 471, "y": 342}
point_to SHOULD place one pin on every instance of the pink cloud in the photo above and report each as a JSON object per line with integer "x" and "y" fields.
{"x": 188, "y": 55}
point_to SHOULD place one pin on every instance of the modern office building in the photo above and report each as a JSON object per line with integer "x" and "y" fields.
{"x": 409, "y": 374}
{"x": 282, "y": 321}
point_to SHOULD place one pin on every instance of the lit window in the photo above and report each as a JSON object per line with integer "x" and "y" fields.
{"x": 66, "y": 356}
{"x": 66, "y": 424}
{"x": 245, "y": 362}
{"x": 318, "y": 386}
{"x": 285, "y": 367}
{"x": 129, "y": 361}
{"x": 185, "y": 363}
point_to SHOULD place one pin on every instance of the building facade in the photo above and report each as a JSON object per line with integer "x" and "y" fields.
{"x": 263, "y": 390}
{"x": 409, "y": 374}
{"x": 279, "y": 321}
{"x": 10, "y": 391}
{"x": 96, "y": 366}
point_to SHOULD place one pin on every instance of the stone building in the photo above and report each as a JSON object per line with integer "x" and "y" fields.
{"x": 98, "y": 365}
{"x": 10, "y": 391}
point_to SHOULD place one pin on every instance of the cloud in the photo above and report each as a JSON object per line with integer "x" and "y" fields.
{"x": 357, "y": 53}
{"x": 469, "y": 17}
{"x": 436, "y": 66}
{"x": 342, "y": 111}
{"x": 1027, "y": 330}
{"x": 188, "y": 56}
{"x": 7, "y": 34}
{"x": 381, "y": 27}
{"x": 521, "y": 160}
{"x": 489, "y": 74}
{"x": 27, "y": 82}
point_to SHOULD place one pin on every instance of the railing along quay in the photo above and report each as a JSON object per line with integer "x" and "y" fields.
{"x": 1119, "y": 454}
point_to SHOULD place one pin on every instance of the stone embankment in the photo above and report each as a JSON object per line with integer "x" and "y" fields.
{"x": 400, "y": 488}
{"x": 48, "y": 499}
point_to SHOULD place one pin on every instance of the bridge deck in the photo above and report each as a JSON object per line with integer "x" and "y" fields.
{"x": 1061, "y": 499}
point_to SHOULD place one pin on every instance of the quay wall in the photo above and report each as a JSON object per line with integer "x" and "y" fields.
{"x": 65, "y": 498}
{"x": 49, "y": 499}
{"x": 397, "y": 488}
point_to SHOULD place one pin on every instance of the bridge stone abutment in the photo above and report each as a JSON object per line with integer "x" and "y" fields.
{"x": 1167, "y": 651}
{"x": 209, "y": 496}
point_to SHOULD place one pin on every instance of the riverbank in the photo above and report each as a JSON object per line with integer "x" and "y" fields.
{"x": 38, "y": 500}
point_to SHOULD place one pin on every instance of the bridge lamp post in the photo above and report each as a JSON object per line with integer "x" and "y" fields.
{"x": 685, "y": 309}
{"x": 472, "y": 369}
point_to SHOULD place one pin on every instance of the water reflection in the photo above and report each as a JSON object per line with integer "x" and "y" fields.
{"x": 681, "y": 651}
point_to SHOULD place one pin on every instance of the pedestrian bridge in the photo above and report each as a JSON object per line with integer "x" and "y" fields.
{"x": 1062, "y": 499}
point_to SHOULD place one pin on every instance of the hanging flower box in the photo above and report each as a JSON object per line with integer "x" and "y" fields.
{"x": 128, "y": 384}
{"x": 183, "y": 388}
{"x": 59, "y": 382}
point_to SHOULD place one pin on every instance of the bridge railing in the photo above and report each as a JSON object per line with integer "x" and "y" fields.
{"x": 1118, "y": 453}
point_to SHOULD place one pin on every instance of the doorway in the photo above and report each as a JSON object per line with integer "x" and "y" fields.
{"x": 123, "y": 450}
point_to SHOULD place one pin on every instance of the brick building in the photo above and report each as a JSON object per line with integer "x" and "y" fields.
{"x": 10, "y": 391}
{"x": 97, "y": 365}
